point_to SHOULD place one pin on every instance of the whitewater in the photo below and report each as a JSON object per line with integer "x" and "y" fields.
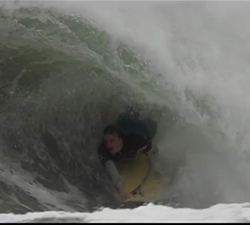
{"x": 69, "y": 68}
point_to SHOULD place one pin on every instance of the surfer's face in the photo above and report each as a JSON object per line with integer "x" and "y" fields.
{"x": 113, "y": 142}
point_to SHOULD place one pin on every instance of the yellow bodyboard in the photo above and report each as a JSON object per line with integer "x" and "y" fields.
{"x": 133, "y": 172}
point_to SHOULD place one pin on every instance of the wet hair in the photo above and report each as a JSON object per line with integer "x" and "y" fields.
{"x": 113, "y": 129}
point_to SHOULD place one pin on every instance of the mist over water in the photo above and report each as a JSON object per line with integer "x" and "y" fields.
{"x": 67, "y": 69}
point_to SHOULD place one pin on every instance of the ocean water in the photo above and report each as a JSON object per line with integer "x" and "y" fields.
{"x": 69, "y": 68}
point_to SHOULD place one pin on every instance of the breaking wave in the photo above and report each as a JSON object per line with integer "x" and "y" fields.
{"x": 68, "y": 69}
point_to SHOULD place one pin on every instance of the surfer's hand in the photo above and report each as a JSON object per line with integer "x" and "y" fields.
{"x": 123, "y": 194}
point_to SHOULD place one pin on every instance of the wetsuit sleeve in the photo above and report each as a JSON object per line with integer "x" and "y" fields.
{"x": 105, "y": 158}
{"x": 113, "y": 173}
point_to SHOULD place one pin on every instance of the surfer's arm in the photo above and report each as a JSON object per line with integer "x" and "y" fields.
{"x": 116, "y": 179}
{"x": 113, "y": 173}
{"x": 106, "y": 159}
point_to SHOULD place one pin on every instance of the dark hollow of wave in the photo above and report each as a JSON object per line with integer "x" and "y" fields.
{"x": 59, "y": 87}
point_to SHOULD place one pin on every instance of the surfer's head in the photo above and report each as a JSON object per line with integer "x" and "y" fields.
{"x": 113, "y": 138}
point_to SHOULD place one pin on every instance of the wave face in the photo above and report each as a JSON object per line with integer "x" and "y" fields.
{"x": 67, "y": 69}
